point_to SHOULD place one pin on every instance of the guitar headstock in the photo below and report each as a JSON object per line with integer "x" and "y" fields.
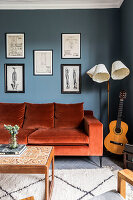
{"x": 123, "y": 95}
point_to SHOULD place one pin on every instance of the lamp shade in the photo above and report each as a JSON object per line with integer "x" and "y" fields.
{"x": 91, "y": 71}
{"x": 119, "y": 71}
{"x": 101, "y": 74}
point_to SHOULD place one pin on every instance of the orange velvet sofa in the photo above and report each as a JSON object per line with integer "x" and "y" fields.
{"x": 67, "y": 127}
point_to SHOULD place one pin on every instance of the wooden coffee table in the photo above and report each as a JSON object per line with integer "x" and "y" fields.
{"x": 35, "y": 160}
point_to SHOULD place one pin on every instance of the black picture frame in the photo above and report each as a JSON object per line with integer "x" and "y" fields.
{"x": 71, "y": 91}
{"x": 76, "y": 57}
{"x": 34, "y": 61}
{"x": 12, "y": 85}
{"x": 6, "y": 47}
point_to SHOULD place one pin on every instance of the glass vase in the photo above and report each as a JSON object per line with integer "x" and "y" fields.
{"x": 13, "y": 141}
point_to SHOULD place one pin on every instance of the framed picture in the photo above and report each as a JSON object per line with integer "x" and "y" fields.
{"x": 15, "y": 45}
{"x": 14, "y": 78}
{"x": 43, "y": 62}
{"x": 71, "y": 45}
{"x": 71, "y": 78}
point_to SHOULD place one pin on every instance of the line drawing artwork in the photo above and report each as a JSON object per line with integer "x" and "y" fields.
{"x": 44, "y": 66}
{"x": 70, "y": 78}
{"x": 70, "y": 45}
{"x": 15, "y": 45}
{"x": 74, "y": 79}
{"x": 14, "y": 78}
{"x": 67, "y": 78}
{"x": 14, "y": 83}
{"x": 43, "y": 62}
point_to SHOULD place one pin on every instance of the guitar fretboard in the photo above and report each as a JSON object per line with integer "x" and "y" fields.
{"x": 120, "y": 110}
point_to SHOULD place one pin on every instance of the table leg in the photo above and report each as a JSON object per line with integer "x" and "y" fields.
{"x": 122, "y": 187}
{"x": 47, "y": 185}
{"x": 53, "y": 169}
{"x": 52, "y": 182}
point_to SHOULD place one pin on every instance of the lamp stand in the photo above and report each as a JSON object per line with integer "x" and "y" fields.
{"x": 108, "y": 102}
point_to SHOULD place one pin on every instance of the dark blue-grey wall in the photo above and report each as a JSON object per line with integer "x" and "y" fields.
{"x": 127, "y": 57}
{"x": 100, "y": 43}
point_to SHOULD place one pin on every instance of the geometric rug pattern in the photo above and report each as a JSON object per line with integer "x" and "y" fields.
{"x": 77, "y": 184}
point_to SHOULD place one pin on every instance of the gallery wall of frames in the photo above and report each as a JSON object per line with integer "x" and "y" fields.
{"x": 43, "y": 63}
{"x": 45, "y": 54}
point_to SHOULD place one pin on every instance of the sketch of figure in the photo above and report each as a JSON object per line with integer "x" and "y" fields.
{"x": 14, "y": 79}
{"x": 74, "y": 79}
{"x": 67, "y": 78}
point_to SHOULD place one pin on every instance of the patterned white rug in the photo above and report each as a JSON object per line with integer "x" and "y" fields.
{"x": 76, "y": 184}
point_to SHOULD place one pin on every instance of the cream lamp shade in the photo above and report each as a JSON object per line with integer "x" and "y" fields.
{"x": 91, "y": 71}
{"x": 119, "y": 71}
{"x": 99, "y": 73}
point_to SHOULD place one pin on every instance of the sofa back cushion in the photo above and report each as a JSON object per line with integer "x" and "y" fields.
{"x": 68, "y": 115}
{"x": 39, "y": 116}
{"x": 12, "y": 114}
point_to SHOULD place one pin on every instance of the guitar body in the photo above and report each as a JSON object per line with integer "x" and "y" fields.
{"x": 115, "y": 142}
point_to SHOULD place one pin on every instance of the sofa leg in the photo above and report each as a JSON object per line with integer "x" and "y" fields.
{"x": 100, "y": 159}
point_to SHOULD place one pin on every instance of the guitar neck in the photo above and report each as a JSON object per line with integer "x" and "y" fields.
{"x": 120, "y": 110}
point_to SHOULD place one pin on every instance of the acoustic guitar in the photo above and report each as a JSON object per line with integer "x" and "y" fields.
{"x": 116, "y": 139}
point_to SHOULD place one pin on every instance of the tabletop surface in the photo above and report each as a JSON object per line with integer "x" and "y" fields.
{"x": 34, "y": 155}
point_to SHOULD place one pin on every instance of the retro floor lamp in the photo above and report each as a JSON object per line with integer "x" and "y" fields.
{"x": 100, "y": 74}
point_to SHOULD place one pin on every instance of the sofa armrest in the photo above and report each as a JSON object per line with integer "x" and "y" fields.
{"x": 94, "y": 129}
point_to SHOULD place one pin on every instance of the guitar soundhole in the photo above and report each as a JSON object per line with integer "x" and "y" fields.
{"x": 118, "y": 130}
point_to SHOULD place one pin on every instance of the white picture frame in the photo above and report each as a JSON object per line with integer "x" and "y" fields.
{"x": 15, "y": 45}
{"x": 70, "y": 78}
{"x": 43, "y": 62}
{"x": 14, "y": 78}
{"x": 71, "y": 46}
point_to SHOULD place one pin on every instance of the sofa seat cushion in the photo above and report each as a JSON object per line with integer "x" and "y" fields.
{"x": 57, "y": 136}
{"x": 69, "y": 115}
{"x": 22, "y": 136}
{"x": 39, "y": 116}
{"x": 12, "y": 114}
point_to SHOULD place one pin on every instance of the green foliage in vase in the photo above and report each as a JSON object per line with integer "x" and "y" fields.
{"x": 13, "y": 130}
